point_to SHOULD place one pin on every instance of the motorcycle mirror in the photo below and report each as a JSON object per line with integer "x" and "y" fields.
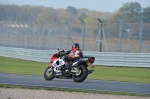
{"x": 58, "y": 48}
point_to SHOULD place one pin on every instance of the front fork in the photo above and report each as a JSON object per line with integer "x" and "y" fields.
{"x": 50, "y": 65}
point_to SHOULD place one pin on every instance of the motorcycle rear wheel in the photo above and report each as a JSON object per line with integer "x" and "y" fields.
{"x": 49, "y": 73}
{"x": 82, "y": 76}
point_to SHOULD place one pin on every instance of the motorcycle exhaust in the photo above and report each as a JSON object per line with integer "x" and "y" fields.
{"x": 90, "y": 71}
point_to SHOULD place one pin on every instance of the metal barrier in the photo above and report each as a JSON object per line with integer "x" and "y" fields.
{"x": 102, "y": 58}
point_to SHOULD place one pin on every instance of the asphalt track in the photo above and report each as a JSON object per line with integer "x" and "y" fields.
{"x": 99, "y": 85}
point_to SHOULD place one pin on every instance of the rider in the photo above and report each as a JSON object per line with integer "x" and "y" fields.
{"x": 73, "y": 54}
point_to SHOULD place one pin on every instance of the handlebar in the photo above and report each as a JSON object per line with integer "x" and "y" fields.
{"x": 62, "y": 53}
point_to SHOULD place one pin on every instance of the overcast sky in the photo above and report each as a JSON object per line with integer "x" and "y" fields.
{"x": 99, "y": 5}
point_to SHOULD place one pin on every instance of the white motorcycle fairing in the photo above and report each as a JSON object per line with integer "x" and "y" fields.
{"x": 57, "y": 65}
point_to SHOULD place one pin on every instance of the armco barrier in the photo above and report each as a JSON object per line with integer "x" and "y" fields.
{"x": 101, "y": 58}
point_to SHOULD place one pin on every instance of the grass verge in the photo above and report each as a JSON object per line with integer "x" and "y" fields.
{"x": 73, "y": 90}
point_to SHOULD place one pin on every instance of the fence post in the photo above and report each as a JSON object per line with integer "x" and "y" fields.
{"x": 120, "y": 35}
{"x": 100, "y": 34}
{"x": 31, "y": 36}
{"x": 140, "y": 34}
{"x": 60, "y": 37}
{"x": 83, "y": 33}
{"x": 54, "y": 35}
{"x": 68, "y": 33}
{"x": 43, "y": 34}
{"x": 49, "y": 32}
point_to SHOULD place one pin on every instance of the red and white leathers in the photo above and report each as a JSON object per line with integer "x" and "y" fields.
{"x": 75, "y": 53}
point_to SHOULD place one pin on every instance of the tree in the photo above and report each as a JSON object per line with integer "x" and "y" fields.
{"x": 83, "y": 13}
{"x": 72, "y": 9}
{"x": 129, "y": 11}
{"x": 146, "y": 13}
{"x": 133, "y": 8}
{"x": 146, "y": 18}
{"x": 48, "y": 14}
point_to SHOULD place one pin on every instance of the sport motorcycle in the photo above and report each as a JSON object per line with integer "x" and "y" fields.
{"x": 79, "y": 71}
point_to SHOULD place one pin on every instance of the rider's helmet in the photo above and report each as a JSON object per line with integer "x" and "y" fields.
{"x": 75, "y": 45}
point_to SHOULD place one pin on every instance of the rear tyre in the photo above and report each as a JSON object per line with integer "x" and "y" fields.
{"x": 82, "y": 76}
{"x": 49, "y": 73}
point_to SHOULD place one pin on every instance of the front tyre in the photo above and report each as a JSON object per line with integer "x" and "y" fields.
{"x": 49, "y": 73}
{"x": 82, "y": 76}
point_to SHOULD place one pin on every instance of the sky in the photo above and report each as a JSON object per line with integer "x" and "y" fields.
{"x": 98, "y": 5}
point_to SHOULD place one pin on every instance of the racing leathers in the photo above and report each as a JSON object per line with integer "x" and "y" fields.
{"x": 73, "y": 55}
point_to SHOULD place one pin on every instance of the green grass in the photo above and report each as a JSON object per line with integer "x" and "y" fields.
{"x": 140, "y": 75}
{"x": 18, "y": 66}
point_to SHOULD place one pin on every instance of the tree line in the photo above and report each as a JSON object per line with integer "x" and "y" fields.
{"x": 130, "y": 11}
{"x": 41, "y": 13}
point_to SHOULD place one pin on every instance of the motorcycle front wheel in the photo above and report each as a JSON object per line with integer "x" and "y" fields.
{"x": 82, "y": 76}
{"x": 49, "y": 73}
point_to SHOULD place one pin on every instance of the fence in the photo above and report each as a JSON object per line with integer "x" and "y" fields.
{"x": 120, "y": 36}
{"x": 101, "y": 58}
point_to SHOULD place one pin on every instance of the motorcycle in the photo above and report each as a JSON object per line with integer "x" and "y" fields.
{"x": 79, "y": 68}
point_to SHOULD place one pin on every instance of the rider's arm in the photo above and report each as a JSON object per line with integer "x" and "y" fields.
{"x": 67, "y": 52}
{"x": 76, "y": 54}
